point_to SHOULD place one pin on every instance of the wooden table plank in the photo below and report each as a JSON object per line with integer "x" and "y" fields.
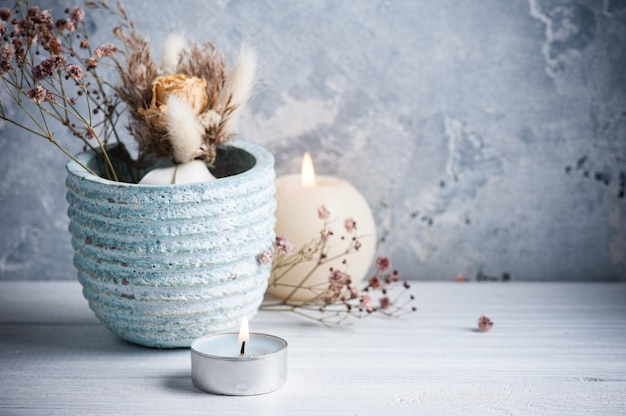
{"x": 556, "y": 348}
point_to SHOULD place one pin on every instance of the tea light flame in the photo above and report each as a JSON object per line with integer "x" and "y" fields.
{"x": 244, "y": 332}
{"x": 308, "y": 172}
{"x": 244, "y": 335}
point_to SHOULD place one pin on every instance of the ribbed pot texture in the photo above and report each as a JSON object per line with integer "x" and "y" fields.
{"x": 163, "y": 265}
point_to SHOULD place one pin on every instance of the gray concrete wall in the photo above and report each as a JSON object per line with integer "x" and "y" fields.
{"x": 488, "y": 136}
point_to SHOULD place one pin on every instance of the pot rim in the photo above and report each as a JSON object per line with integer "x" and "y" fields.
{"x": 263, "y": 160}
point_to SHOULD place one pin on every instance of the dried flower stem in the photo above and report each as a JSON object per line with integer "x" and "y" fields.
{"x": 42, "y": 130}
{"x": 34, "y": 81}
{"x": 336, "y": 300}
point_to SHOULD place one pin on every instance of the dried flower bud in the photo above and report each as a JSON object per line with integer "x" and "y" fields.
{"x": 7, "y": 53}
{"x": 266, "y": 257}
{"x": 70, "y": 25}
{"x": 77, "y": 14}
{"x": 33, "y": 12}
{"x": 47, "y": 67}
{"x": 323, "y": 213}
{"x": 45, "y": 21}
{"x": 19, "y": 48}
{"x": 349, "y": 224}
{"x": 105, "y": 50}
{"x": 339, "y": 279}
{"x": 54, "y": 45}
{"x": 40, "y": 72}
{"x": 74, "y": 72}
{"x": 284, "y": 245}
{"x": 484, "y": 323}
{"x": 37, "y": 94}
{"x": 383, "y": 263}
{"x": 374, "y": 282}
{"x": 91, "y": 63}
{"x": 385, "y": 302}
{"x": 61, "y": 24}
{"x": 5, "y": 14}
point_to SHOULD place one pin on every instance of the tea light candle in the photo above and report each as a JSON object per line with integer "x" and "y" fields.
{"x": 241, "y": 364}
{"x": 298, "y": 197}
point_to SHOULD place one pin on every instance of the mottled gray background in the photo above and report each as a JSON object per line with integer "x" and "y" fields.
{"x": 488, "y": 136}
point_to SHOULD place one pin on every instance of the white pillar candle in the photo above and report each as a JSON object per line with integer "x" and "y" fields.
{"x": 298, "y": 198}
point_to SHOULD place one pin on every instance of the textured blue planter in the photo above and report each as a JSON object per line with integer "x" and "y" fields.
{"x": 163, "y": 265}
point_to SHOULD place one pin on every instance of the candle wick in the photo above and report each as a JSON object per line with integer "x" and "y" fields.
{"x": 243, "y": 347}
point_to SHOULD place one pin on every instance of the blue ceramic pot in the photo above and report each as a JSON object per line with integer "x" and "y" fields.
{"x": 163, "y": 265}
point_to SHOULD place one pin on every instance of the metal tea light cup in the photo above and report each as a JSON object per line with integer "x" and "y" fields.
{"x": 218, "y": 368}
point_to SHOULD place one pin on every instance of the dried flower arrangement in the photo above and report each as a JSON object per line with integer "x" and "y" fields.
{"x": 340, "y": 298}
{"x": 180, "y": 109}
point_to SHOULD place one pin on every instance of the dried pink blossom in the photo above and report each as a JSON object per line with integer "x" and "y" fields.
{"x": 37, "y": 94}
{"x": 40, "y": 72}
{"x": 357, "y": 245}
{"x": 47, "y": 67}
{"x": 383, "y": 263}
{"x": 77, "y": 14}
{"x": 266, "y": 257}
{"x": 18, "y": 28}
{"x": 366, "y": 303}
{"x": 339, "y": 279}
{"x": 385, "y": 302}
{"x": 33, "y": 12}
{"x": 19, "y": 48}
{"x": 105, "y": 50}
{"x": 61, "y": 24}
{"x": 91, "y": 63}
{"x": 74, "y": 72}
{"x": 54, "y": 45}
{"x": 69, "y": 25}
{"x": 44, "y": 20}
{"x": 349, "y": 224}
{"x": 374, "y": 282}
{"x": 7, "y": 53}
{"x": 284, "y": 245}
{"x": 323, "y": 213}
{"x": 484, "y": 323}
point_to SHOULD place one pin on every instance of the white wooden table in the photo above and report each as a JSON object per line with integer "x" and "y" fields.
{"x": 555, "y": 348}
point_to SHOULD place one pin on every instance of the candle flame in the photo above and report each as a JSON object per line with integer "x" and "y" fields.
{"x": 244, "y": 332}
{"x": 308, "y": 172}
